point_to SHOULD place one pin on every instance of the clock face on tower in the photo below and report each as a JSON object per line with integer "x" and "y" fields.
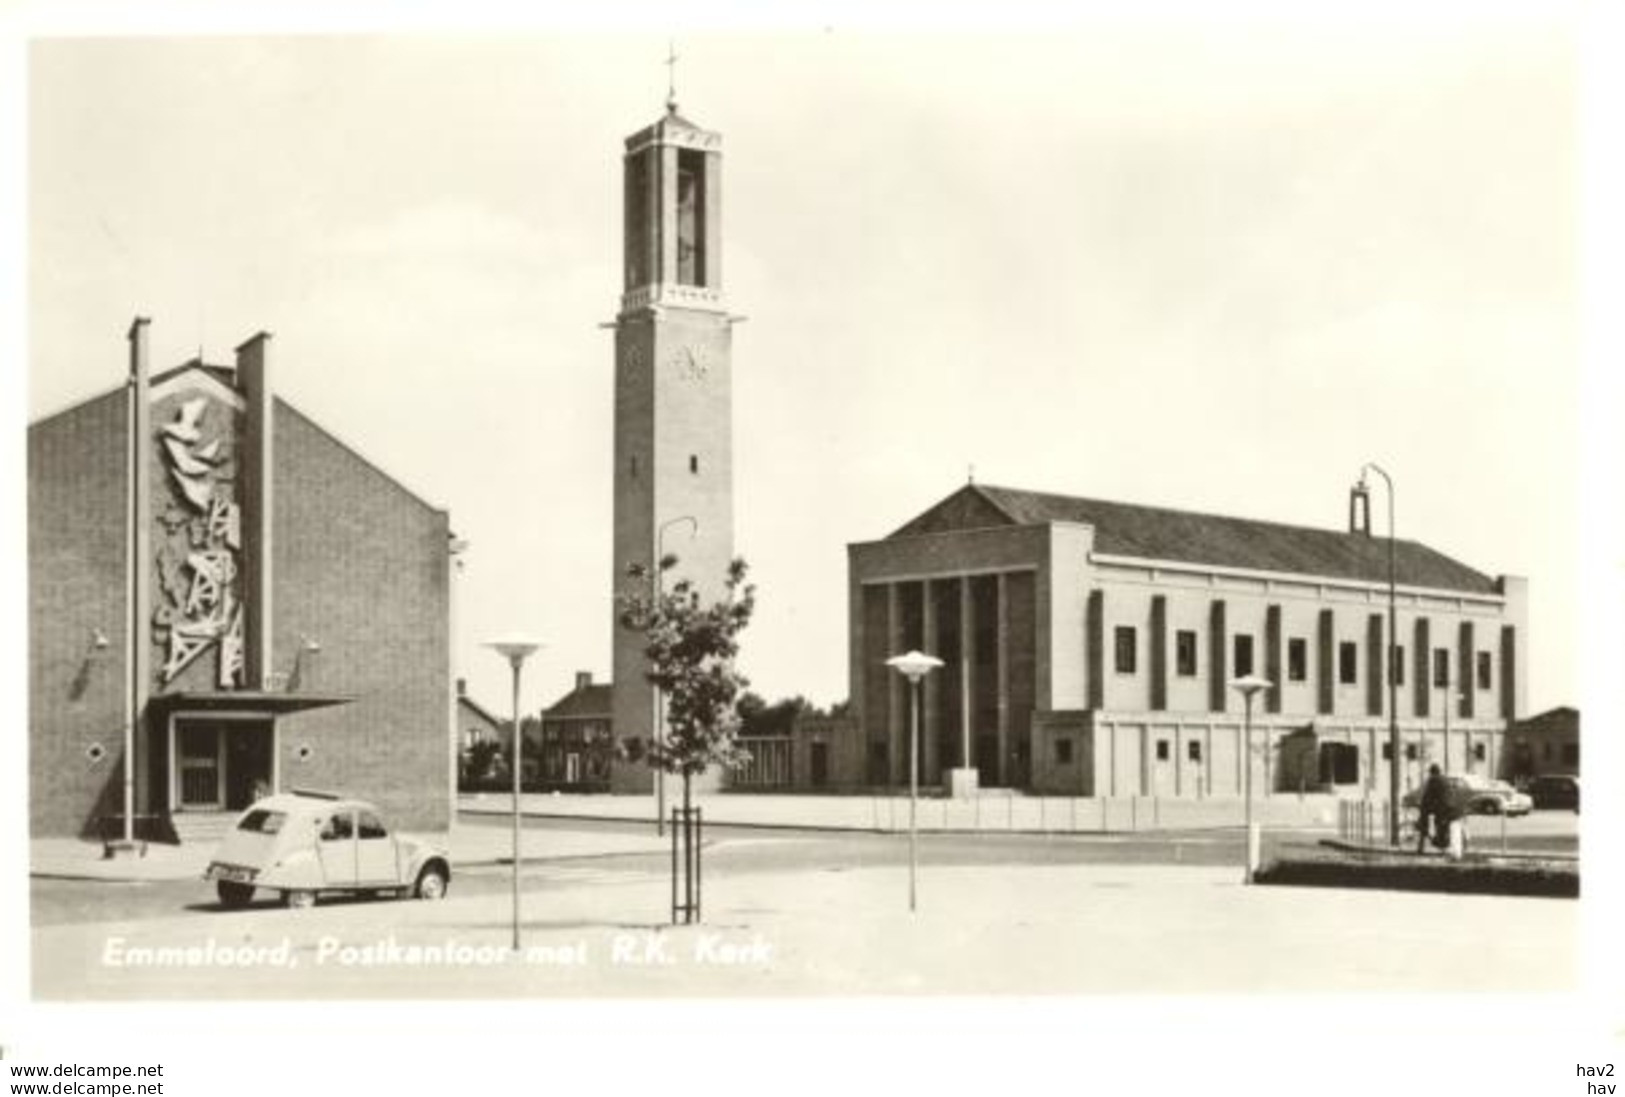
{"x": 690, "y": 363}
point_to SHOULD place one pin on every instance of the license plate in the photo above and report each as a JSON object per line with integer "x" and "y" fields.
{"x": 230, "y": 873}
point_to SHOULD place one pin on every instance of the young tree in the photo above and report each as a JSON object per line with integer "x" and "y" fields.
{"x": 690, "y": 647}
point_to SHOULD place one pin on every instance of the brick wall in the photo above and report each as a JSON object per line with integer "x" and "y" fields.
{"x": 360, "y": 566}
{"x": 76, "y": 583}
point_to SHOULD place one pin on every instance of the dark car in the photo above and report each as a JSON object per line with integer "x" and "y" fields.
{"x": 1555, "y": 791}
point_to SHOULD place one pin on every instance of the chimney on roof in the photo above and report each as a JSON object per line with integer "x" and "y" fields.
{"x": 462, "y": 687}
{"x": 1360, "y": 509}
{"x": 583, "y": 679}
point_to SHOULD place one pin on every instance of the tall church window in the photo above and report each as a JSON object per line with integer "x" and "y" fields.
{"x": 1297, "y": 659}
{"x": 1348, "y": 663}
{"x": 1185, "y": 653}
{"x": 1124, "y": 653}
{"x": 1243, "y": 655}
{"x": 690, "y": 217}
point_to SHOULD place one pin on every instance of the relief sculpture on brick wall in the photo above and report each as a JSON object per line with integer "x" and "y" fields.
{"x": 198, "y": 535}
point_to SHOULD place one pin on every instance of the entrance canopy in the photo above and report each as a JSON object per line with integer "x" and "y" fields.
{"x": 245, "y": 701}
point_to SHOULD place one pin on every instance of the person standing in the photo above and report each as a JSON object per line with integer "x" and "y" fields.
{"x": 1434, "y": 810}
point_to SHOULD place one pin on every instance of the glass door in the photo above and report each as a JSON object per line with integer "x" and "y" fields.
{"x": 198, "y": 760}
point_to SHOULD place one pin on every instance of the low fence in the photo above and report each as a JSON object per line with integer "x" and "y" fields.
{"x": 1366, "y": 822}
{"x": 1095, "y": 815}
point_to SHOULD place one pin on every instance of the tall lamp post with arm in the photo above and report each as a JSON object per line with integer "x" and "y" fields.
{"x": 914, "y": 666}
{"x": 1362, "y": 492}
{"x": 515, "y": 649}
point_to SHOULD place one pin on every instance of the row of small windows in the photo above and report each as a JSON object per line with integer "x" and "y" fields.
{"x": 1412, "y": 754}
{"x": 1193, "y": 751}
{"x": 1126, "y": 645}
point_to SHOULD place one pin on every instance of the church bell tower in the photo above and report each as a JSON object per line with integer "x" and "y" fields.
{"x": 673, "y": 391}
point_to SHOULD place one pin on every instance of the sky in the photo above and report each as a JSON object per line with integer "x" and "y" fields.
{"x": 1208, "y": 266}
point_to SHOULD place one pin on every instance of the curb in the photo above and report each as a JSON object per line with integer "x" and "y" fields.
{"x": 1470, "y": 857}
{"x": 854, "y": 828}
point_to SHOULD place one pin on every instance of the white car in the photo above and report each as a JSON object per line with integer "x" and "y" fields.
{"x": 1492, "y": 797}
{"x": 1471, "y": 794}
{"x": 301, "y": 844}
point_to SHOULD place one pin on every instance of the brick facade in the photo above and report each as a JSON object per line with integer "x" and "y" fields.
{"x": 358, "y": 609}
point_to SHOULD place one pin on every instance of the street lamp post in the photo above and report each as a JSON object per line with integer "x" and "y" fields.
{"x": 1393, "y": 639}
{"x": 516, "y": 649}
{"x": 660, "y": 700}
{"x": 914, "y": 666}
{"x": 1249, "y": 687}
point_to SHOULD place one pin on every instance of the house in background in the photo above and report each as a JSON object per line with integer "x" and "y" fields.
{"x": 577, "y": 741}
{"x": 478, "y": 732}
{"x": 245, "y": 600}
{"x": 1546, "y": 744}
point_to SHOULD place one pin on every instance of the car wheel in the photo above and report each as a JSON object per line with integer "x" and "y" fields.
{"x": 431, "y": 883}
{"x": 299, "y": 899}
{"x": 233, "y": 895}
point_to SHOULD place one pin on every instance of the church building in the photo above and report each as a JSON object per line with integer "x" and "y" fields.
{"x": 226, "y": 600}
{"x": 1090, "y": 647}
{"x": 673, "y": 470}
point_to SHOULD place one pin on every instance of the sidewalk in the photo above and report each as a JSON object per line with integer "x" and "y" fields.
{"x": 468, "y": 843}
{"x": 993, "y": 811}
{"x": 1086, "y": 929}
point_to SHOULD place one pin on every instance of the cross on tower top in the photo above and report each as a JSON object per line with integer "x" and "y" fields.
{"x": 671, "y": 77}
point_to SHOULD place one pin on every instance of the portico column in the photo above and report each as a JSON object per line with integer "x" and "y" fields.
{"x": 896, "y": 686}
{"x": 1003, "y": 642}
{"x": 967, "y": 648}
{"x": 932, "y": 688}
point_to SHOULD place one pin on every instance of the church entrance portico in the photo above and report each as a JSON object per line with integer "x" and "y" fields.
{"x": 221, "y": 763}
{"x": 219, "y": 752}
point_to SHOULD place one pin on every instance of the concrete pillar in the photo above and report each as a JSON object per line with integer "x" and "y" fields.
{"x": 1097, "y": 648}
{"x": 1422, "y": 690}
{"x": 1468, "y": 672}
{"x": 257, "y": 494}
{"x": 1325, "y": 663}
{"x": 967, "y": 660}
{"x": 666, "y": 226}
{"x": 1273, "y": 661}
{"x": 1002, "y": 616}
{"x": 1376, "y": 764}
{"x": 896, "y": 693}
{"x": 931, "y": 688}
{"x": 1509, "y": 673}
{"x": 136, "y": 781}
{"x": 1218, "y": 686}
{"x": 1375, "y": 680}
{"x": 713, "y": 220}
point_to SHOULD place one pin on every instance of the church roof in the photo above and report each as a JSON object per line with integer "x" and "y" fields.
{"x": 1158, "y": 533}
{"x": 670, "y": 122}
